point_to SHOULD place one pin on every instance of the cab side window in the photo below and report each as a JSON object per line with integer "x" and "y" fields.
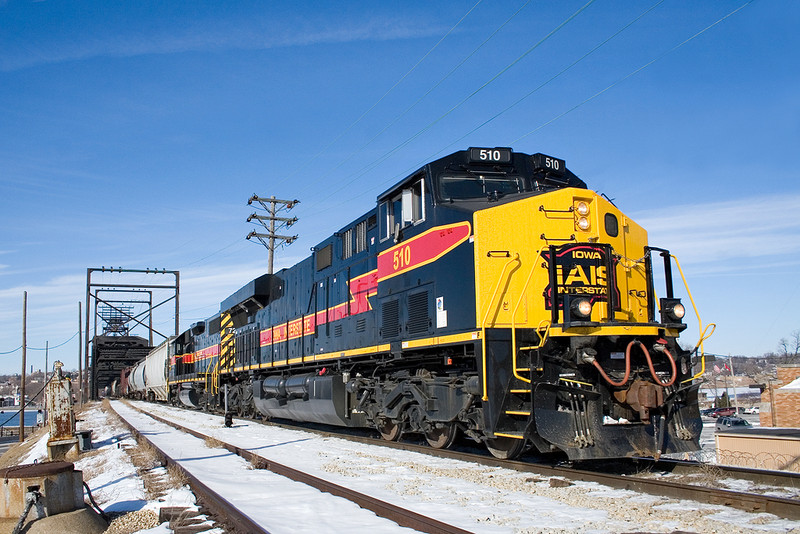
{"x": 405, "y": 208}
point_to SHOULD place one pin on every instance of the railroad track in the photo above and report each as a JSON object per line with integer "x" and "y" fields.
{"x": 211, "y": 500}
{"x": 240, "y": 522}
{"x": 628, "y": 466}
{"x": 750, "y": 502}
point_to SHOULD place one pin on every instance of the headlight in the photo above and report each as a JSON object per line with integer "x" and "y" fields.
{"x": 583, "y": 223}
{"x": 581, "y": 308}
{"x": 582, "y": 208}
{"x": 672, "y": 311}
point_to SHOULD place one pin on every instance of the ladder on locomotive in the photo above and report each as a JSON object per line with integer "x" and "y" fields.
{"x": 526, "y": 359}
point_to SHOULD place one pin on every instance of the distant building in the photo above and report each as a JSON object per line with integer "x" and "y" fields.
{"x": 780, "y": 398}
{"x": 742, "y": 393}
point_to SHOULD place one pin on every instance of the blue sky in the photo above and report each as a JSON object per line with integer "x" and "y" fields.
{"x": 133, "y": 133}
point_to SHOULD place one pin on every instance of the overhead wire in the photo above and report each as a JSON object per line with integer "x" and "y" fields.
{"x": 359, "y": 119}
{"x": 373, "y": 106}
{"x": 633, "y": 73}
{"x": 549, "y": 80}
{"x": 429, "y": 158}
{"x": 430, "y": 90}
{"x": 387, "y": 155}
{"x": 42, "y": 348}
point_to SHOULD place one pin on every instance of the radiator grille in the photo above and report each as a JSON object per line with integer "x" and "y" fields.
{"x": 390, "y": 318}
{"x": 418, "y": 317}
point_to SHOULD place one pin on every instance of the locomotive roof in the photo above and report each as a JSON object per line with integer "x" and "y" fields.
{"x": 461, "y": 159}
{"x": 259, "y": 289}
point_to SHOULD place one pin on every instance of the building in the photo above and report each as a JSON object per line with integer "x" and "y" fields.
{"x": 780, "y": 399}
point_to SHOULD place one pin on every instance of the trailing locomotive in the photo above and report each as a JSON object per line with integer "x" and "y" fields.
{"x": 489, "y": 293}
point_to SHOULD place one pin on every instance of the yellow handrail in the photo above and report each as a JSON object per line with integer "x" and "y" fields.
{"x": 514, "y": 321}
{"x": 703, "y": 335}
{"x": 483, "y": 323}
{"x": 214, "y": 387}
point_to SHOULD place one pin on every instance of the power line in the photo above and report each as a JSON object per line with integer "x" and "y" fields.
{"x": 548, "y": 81}
{"x": 44, "y": 348}
{"x": 405, "y": 143}
{"x": 364, "y": 114}
{"x": 226, "y": 247}
{"x": 411, "y": 169}
{"x": 661, "y": 56}
{"x": 429, "y": 91}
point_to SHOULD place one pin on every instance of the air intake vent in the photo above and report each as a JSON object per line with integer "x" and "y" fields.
{"x": 361, "y": 325}
{"x": 390, "y": 318}
{"x": 418, "y": 317}
{"x": 337, "y": 330}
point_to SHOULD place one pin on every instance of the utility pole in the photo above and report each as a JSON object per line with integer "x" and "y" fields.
{"x": 733, "y": 378}
{"x": 272, "y": 206}
{"x": 24, "y": 355}
{"x": 80, "y": 363}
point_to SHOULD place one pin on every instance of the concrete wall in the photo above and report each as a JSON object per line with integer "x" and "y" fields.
{"x": 758, "y": 451}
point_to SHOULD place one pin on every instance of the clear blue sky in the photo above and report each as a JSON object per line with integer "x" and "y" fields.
{"x": 133, "y": 133}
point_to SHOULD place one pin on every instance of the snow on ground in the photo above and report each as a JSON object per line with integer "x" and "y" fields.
{"x": 275, "y": 502}
{"x": 474, "y": 497}
{"x": 109, "y": 471}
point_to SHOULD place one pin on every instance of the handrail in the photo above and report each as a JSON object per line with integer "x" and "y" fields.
{"x": 214, "y": 388}
{"x": 483, "y": 324}
{"x": 514, "y": 321}
{"x": 703, "y": 335}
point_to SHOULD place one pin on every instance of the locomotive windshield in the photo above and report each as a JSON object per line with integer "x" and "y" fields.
{"x": 471, "y": 186}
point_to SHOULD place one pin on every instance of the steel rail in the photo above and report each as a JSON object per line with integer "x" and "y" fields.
{"x": 759, "y": 476}
{"x": 636, "y": 465}
{"x": 218, "y": 505}
{"x": 401, "y": 516}
{"x": 749, "y": 502}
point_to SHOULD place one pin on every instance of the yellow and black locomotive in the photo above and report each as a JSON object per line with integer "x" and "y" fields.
{"x": 489, "y": 294}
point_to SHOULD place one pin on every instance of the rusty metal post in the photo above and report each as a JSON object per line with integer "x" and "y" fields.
{"x": 60, "y": 414}
{"x": 24, "y": 356}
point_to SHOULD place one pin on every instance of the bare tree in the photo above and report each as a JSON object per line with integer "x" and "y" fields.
{"x": 789, "y": 348}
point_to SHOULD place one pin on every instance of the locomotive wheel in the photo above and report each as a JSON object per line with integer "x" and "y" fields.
{"x": 442, "y": 437}
{"x": 505, "y": 448}
{"x": 390, "y": 431}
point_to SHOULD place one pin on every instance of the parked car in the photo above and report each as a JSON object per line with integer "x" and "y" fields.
{"x": 707, "y": 411}
{"x": 731, "y": 423}
{"x": 752, "y": 410}
{"x": 720, "y": 412}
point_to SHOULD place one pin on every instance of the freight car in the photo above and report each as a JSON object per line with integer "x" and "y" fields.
{"x": 489, "y": 294}
{"x": 148, "y": 378}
